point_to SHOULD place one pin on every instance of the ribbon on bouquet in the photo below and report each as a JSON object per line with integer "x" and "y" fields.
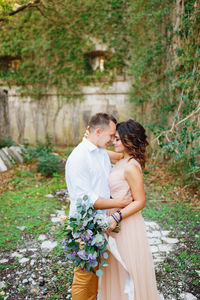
{"x": 129, "y": 284}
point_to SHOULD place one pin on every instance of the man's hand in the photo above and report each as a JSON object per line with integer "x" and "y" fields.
{"x": 123, "y": 202}
{"x": 104, "y": 203}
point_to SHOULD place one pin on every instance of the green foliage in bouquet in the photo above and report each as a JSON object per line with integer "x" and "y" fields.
{"x": 86, "y": 244}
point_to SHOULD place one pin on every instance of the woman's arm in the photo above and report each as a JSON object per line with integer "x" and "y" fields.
{"x": 114, "y": 156}
{"x": 134, "y": 177}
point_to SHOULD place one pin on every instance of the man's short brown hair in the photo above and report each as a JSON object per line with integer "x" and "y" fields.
{"x": 101, "y": 120}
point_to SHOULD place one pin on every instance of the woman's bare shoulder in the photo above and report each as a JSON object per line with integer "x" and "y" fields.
{"x": 132, "y": 169}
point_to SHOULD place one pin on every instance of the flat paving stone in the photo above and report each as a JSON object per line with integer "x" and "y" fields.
{"x": 198, "y": 272}
{"x": 32, "y": 262}
{"x": 48, "y": 245}
{"x": 187, "y": 296}
{"x": 170, "y": 240}
{"x": 155, "y": 241}
{"x": 16, "y": 254}
{"x": 165, "y": 248}
{"x": 22, "y": 250}
{"x": 49, "y": 196}
{"x": 152, "y": 225}
{"x": 32, "y": 249}
{"x": 22, "y": 228}
{"x": 165, "y": 232}
{"x": 3, "y": 261}
{"x": 23, "y": 260}
{"x": 2, "y": 284}
{"x": 157, "y": 258}
{"x": 42, "y": 237}
{"x": 152, "y": 234}
{"x": 154, "y": 249}
{"x": 55, "y": 219}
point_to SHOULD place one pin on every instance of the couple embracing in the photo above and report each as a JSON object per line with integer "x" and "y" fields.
{"x": 118, "y": 192}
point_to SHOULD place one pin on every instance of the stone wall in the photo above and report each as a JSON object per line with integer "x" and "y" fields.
{"x": 4, "y": 114}
{"x": 65, "y": 122}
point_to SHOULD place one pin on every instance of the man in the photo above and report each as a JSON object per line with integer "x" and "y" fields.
{"x": 87, "y": 171}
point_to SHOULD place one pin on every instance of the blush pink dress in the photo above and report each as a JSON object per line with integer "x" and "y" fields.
{"x": 133, "y": 247}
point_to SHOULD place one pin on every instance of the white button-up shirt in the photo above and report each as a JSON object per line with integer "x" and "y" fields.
{"x": 86, "y": 172}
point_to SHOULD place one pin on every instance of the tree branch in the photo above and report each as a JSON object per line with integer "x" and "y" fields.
{"x": 21, "y": 8}
{"x": 174, "y": 125}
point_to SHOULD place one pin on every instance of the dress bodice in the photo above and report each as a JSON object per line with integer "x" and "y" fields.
{"x": 117, "y": 182}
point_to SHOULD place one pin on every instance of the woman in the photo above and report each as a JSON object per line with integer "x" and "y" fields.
{"x": 131, "y": 242}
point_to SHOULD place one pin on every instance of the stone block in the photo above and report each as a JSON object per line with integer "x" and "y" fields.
{"x": 5, "y": 159}
{"x": 16, "y": 153}
{"x": 5, "y": 149}
{"x": 3, "y": 167}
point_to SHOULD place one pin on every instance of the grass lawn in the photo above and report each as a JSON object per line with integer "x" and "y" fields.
{"x": 25, "y": 205}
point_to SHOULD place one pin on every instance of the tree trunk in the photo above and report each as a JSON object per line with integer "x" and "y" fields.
{"x": 4, "y": 114}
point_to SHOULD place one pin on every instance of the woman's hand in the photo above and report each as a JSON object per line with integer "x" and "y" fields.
{"x": 87, "y": 132}
{"x": 113, "y": 225}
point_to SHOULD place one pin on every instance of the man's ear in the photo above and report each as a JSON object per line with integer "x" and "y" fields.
{"x": 98, "y": 131}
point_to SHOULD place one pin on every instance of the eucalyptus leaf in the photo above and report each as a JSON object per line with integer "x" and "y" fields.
{"x": 105, "y": 255}
{"x": 99, "y": 273}
{"x": 103, "y": 264}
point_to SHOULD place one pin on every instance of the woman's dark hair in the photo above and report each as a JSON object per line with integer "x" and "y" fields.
{"x": 134, "y": 139}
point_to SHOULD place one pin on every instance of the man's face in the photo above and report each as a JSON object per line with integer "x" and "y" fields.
{"x": 106, "y": 135}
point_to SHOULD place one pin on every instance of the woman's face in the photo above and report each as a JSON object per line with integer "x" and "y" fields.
{"x": 118, "y": 146}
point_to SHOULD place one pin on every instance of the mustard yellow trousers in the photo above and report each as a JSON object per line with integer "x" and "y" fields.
{"x": 84, "y": 285}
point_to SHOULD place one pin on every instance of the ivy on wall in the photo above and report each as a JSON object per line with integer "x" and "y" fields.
{"x": 52, "y": 39}
{"x": 156, "y": 42}
{"x": 165, "y": 63}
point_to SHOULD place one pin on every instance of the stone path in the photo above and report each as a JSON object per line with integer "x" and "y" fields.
{"x": 34, "y": 258}
{"x": 161, "y": 245}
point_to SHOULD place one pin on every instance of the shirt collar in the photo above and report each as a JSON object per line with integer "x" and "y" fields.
{"x": 90, "y": 146}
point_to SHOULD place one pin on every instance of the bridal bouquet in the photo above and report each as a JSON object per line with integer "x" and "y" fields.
{"x": 85, "y": 243}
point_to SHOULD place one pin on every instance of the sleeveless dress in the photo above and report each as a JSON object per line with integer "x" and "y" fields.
{"x": 133, "y": 247}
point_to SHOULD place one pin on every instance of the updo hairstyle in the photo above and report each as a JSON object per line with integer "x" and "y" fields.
{"x": 134, "y": 139}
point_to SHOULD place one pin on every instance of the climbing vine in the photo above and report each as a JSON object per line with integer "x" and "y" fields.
{"x": 155, "y": 42}
{"x": 165, "y": 63}
{"x": 52, "y": 40}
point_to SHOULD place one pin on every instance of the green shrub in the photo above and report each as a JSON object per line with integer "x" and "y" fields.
{"x": 68, "y": 151}
{"x": 41, "y": 149}
{"x": 48, "y": 164}
{"x": 6, "y": 142}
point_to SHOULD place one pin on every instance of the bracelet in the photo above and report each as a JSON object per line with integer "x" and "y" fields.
{"x": 115, "y": 218}
{"x": 120, "y": 215}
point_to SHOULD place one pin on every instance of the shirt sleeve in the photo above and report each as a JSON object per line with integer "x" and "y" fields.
{"x": 78, "y": 179}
